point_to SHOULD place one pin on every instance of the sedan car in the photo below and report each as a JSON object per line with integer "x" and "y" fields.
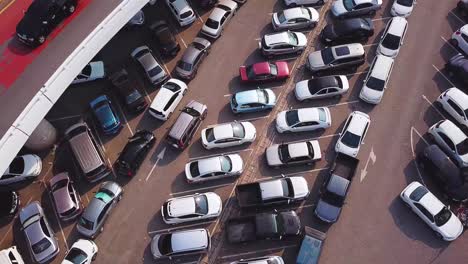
{"x": 180, "y": 243}
{"x": 182, "y": 12}
{"x": 148, "y": 63}
{"x": 195, "y": 207}
{"x": 294, "y": 3}
{"x": 457, "y": 67}
{"x": 66, "y": 199}
{"x": 253, "y": 101}
{"x": 91, "y": 222}
{"x": 345, "y": 8}
{"x": 353, "y": 134}
{"x": 377, "y": 79}
{"x": 167, "y": 99}
{"x": 455, "y": 102}
{"x": 347, "y": 30}
{"x": 460, "y": 39}
{"x": 187, "y": 66}
{"x": 105, "y": 114}
{"x": 42, "y": 243}
{"x": 83, "y": 251}
{"x": 452, "y": 140}
{"x": 295, "y": 18}
{"x": 432, "y": 211}
{"x": 218, "y": 19}
{"x": 264, "y": 71}
{"x": 336, "y": 57}
{"x": 303, "y": 119}
{"x": 130, "y": 97}
{"x": 228, "y": 135}
{"x": 165, "y": 39}
{"x": 261, "y": 260}
{"x": 22, "y": 168}
{"x": 402, "y": 8}
{"x": 281, "y": 43}
{"x": 321, "y": 87}
{"x": 291, "y": 154}
{"x": 93, "y": 71}
{"x": 393, "y": 37}
{"x": 213, "y": 168}
{"x": 134, "y": 152}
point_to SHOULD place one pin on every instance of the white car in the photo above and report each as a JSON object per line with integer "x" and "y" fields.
{"x": 376, "y": 80}
{"x": 321, "y": 87}
{"x": 167, "y": 99}
{"x": 281, "y": 43}
{"x": 306, "y": 152}
{"x": 393, "y": 37}
{"x": 154, "y": 72}
{"x": 22, "y": 168}
{"x": 293, "y": 3}
{"x": 261, "y": 260}
{"x": 455, "y": 102}
{"x": 460, "y": 39}
{"x": 214, "y": 168}
{"x": 180, "y": 243}
{"x": 346, "y": 56}
{"x": 182, "y": 12}
{"x": 303, "y": 119}
{"x": 402, "y": 8}
{"x": 432, "y": 211}
{"x": 295, "y": 18}
{"x": 228, "y": 135}
{"x": 353, "y": 134}
{"x": 93, "y": 71}
{"x": 218, "y": 19}
{"x": 195, "y": 207}
{"x": 345, "y": 8}
{"x": 83, "y": 251}
{"x": 452, "y": 140}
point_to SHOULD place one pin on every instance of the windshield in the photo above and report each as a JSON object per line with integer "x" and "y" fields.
{"x": 283, "y": 152}
{"x": 375, "y": 84}
{"x": 262, "y": 96}
{"x": 333, "y": 199}
{"x": 351, "y": 140}
{"x": 462, "y": 147}
{"x": 86, "y": 223}
{"x": 76, "y": 256}
{"x": 155, "y": 71}
{"x": 349, "y": 4}
{"x": 209, "y": 133}
{"x": 164, "y": 244}
{"x": 292, "y": 38}
{"x": 327, "y": 56}
{"x": 186, "y": 14}
{"x": 292, "y": 117}
{"x": 40, "y": 246}
{"x": 201, "y": 205}
{"x": 391, "y": 42}
{"x": 171, "y": 86}
{"x": 212, "y": 23}
{"x": 16, "y": 166}
{"x": 281, "y": 17}
{"x": 442, "y": 217}
{"x": 238, "y": 130}
{"x": 184, "y": 65}
{"x": 226, "y": 164}
{"x": 59, "y": 185}
{"x": 407, "y": 3}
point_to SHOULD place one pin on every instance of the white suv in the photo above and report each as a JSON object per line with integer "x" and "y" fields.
{"x": 286, "y": 42}
{"x": 182, "y": 11}
{"x": 376, "y": 80}
{"x": 194, "y": 207}
{"x": 452, "y": 140}
{"x": 167, "y": 99}
{"x": 221, "y": 14}
{"x": 455, "y": 102}
{"x": 393, "y": 37}
{"x": 353, "y": 134}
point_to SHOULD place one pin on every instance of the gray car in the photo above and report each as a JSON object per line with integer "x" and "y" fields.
{"x": 295, "y": 18}
{"x": 187, "y": 66}
{"x": 92, "y": 220}
{"x": 352, "y": 8}
{"x": 66, "y": 200}
{"x": 153, "y": 70}
{"x": 42, "y": 243}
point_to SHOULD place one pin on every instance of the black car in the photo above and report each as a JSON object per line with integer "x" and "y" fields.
{"x": 10, "y": 203}
{"x": 457, "y": 67}
{"x": 134, "y": 153}
{"x": 167, "y": 43}
{"x": 207, "y": 3}
{"x": 41, "y": 18}
{"x": 347, "y": 31}
{"x": 133, "y": 100}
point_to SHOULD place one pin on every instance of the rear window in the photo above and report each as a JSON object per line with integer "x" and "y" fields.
{"x": 155, "y": 71}
{"x": 212, "y": 23}
{"x": 186, "y": 14}
{"x": 86, "y": 223}
{"x": 40, "y": 246}
{"x": 17, "y": 166}
{"x": 418, "y": 193}
{"x": 184, "y": 65}
{"x": 375, "y": 84}
{"x": 194, "y": 169}
{"x": 341, "y": 51}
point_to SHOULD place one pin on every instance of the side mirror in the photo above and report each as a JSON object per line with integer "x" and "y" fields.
{"x": 45, "y": 22}
{"x": 282, "y": 175}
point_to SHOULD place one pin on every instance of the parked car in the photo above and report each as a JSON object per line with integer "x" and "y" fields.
{"x": 218, "y": 19}
{"x": 182, "y": 12}
{"x": 311, "y": 246}
{"x": 377, "y": 78}
{"x": 207, "y": 3}
{"x": 402, "y": 8}
{"x": 303, "y": 119}
{"x": 460, "y": 39}
{"x": 432, "y": 211}
{"x": 295, "y": 18}
{"x": 137, "y": 20}
{"x": 336, "y": 58}
{"x": 353, "y": 134}
{"x": 83, "y": 251}
{"x": 67, "y": 201}
{"x": 91, "y": 72}
{"x": 130, "y": 97}
{"x": 91, "y": 222}
{"x": 228, "y": 135}
{"x": 344, "y": 8}
{"x": 268, "y": 260}
{"x": 154, "y": 72}
{"x": 187, "y": 66}
{"x": 187, "y": 124}
{"x": 294, "y": 3}
{"x": 22, "y": 168}
{"x": 40, "y": 238}
{"x": 347, "y": 30}
{"x": 393, "y": 37}
{"x": 457, "y": 67}
{"x": 134, "y": 153}
{"x": 321, "y": 87}
{"x": 253, "y": 101}
{"x": 106, "y": 115}
{"x": 281, "y": 43}
{"x": 180, "y": 243}
{"x": 264, "y": 71}
{"x": 11, "y": 255}
{"x": 213, "y": 168}
{"x": 10, "y": 203}
{"x": 165, "y": 39}
{"x": 292, "y": 154}
{"x": 455, "y": 102}
{"x": 41, "y": 18}
{"x": 462, "y": 7}
{"x": 167, "y": 99}
{"x": 194, "y": 207}
{"x": 452, "y": 140}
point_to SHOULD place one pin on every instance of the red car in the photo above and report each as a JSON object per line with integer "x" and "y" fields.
{"x": 264, "y": 71}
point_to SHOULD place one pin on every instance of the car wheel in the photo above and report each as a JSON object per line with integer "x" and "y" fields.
{"x": 41, "y": 39}
{"x": 71, "y": 9}
{"x": 438, "y": 235}
{"x": 185, "y": 91}
{"x": 453, "y": 42}
{"x": 205, "y": 114}
{"x": 94, "y": 257}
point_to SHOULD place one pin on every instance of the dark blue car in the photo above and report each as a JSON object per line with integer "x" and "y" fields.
{"x": 105, "y": 115}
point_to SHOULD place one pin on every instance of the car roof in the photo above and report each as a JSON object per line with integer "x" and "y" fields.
{"x": 180, "y": 125}
{"x": 217, "y": 14}
{"x": 355, "y": 49}
{"x": 299, "y": 149}
{"x": 261, "y": 68}
{"x": 458, "y": 96}
{"x": 323, "y": 82}
{"x": 93, "y": 209}
{"x": 338, "y": 185}
{"x": 181, "y": 206}
{"x": 397, "y": 26}
{"x": 452, "y": 131}
{"x": 247, "y": 97}
{"x": 161, "y": 99}
{"x": 295, "y": 12}
{"x": 190, "y": 54}
{"x": 431, "y": 203}
{"x": 308, "y": 114}
{"x": 382, "y": 66}
{"x": 358, "y": 123}
{"x": 223, "y": 131}
{"x": 353, "y": 23}
{"x": 276, "y": 38}
{"x": 189, "y": 239}
{"x": 209, "y": 165}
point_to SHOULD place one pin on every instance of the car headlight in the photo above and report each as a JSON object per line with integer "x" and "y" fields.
{"x": 31, "y": 39}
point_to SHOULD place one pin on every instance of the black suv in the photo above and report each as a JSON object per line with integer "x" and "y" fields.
{"x": 132, "y": 99}
{"x": 10, "y": 203}
{"x": 167, "y": 43}
{"x": 347, "y": 30}
{"x": 134, "y": 153}
{"x": 457, "y": 67}
{"x": 41, "y": 18}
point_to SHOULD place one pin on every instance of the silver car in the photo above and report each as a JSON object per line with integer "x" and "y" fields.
{"x": 352, "y": 8}
{"x": 218, "y": 19}
{"x": 281, "y": 43}
{"x": 153, "y": 70}
{"x": 295, "y": 18}
{"x": 42, "y": 243}
{"x": 214, "y": 168}
{"x": 187, "y": 66}
{"x": 66, "y": 200}
{"x": 180, "y": 243}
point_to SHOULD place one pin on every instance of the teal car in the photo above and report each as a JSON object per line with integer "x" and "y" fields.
{"x": 253, "y": 101}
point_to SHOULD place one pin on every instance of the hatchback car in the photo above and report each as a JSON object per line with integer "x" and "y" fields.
{"x": 402, "y": 8}
{"x": 353, "y": 134}
{"x": 187, "y": 66}
{"x": 22, "y": 168}
{"x": 66, "y": 199}
{"x": 452, "y": 140}
{"x": 303, "y": 119}
{"x": 321, "y": 87}
{"x": 91, "y": 222}
{"x": 345, "y": 8}
{"x": 393, "y": 37}
{"x": 218, "y": 19}
{"x": 376, "y": 80}
{"x": 42, "y": 243}
{"x": 165, "y": 39}
{"x": 180, "y": 243}
{"x": 182, "y": 12}
{"x": 336, "y": 58}
{"x": 83, "y": 251}
{"x": 228, "y": 135}
{"x": 154, "y": 72}
{"x": 105, "y": 114}
{"x": 195, "y": 207}
{"x": 264, "y": 71}
{"x": 455, "y": 102}
{"x": 281, "y": 43}
{"x": 432, "y": 211}
{"x": 294, "y": 3}
{"x": 130, "y": 97}
{"x": 460, "y": 39}
{"x": 457, "y": 67}
{"x": 347, "y": 30}
{"x": 134, "y": 153}
{"x": 214, "y": 168}
{"x": 167, "y": 99}
{"x": 292, "y": 154}
{"x": 295, "y": 18}
{"x": 261, "y": 260}
{"x": 253, "y": 101}
{"x": 91, "y": 72}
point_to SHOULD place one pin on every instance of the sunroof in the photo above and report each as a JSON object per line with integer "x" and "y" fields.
{"x": 341, "y": 51}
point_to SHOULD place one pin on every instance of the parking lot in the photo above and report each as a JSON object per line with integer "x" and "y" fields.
{"x": 374, "y": 227}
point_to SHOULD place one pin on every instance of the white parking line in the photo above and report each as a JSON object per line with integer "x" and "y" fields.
{"x": 372, "y": 44}
{"x": 450, "y": 44}
{"x": 58, "y": 219}
{"x": 356, "y": 73}
{"x": 122, "y": 113}
{"x": 433, "y": 106}
{"x": 64, "y": 118}
{"x": 302, "y": 206}
{"x": 457, "y": 17}
{"x": 253, "y": 119}
{"x": 200, "y": 189}
{"x": 227, "y": 95}
{"x": 381, "y": 18}
{"x": 343, "y": 103}
{"x": 179, "y": 227}
{"x": 294, "y": 173}
{"x": 257, "y": 252}
{"x": 308, "y": 139}
{"x": 443, "y": 75}
{"x": 413, "y": 129}
{"x": 220, "y": 154}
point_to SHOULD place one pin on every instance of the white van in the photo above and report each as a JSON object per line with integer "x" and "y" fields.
{"x": 376, "y": 80}
{"x": 10, "y": 256}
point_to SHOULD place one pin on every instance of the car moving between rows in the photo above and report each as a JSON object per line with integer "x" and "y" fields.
{"x": 353, "y": 134}
{"x": 402, "y": 8}
{"x": 218, "y": 19}
{"x": 336, "y": 58}
{"x": 393, "y": 37}
{"x": 377, "y": 79}
{"x": 213, "y": 168}
{"x": 168, "y": 98}
{"x": 347, "y": 31}
{"x": 83, "y": 251}
{"x": 145, "y": 58}
{"x": 134, "y": 153}
{"x": 187, "y": 66}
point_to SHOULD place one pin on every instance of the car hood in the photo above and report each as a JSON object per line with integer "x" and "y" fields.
{"x": 271, "y": 97}
{"x": 250, "y": 131}
{"x": 387, "y": 52}
{"x": 327, "y": 212}
{"x": 29, "y": 26}
{"x": 211, "y": 31}
{"x": 154, "y": 247}
{"x": 32, "y": 165}
{"x": 215, "y": 205}
{"x": 338, "y": 8}
{"x": 281, "y": 121}
{"x": 301, "y": 188}
{"x": 315, "y": 59}
{"x": 237, "y": 163}
{"x": 302, "y": 90}
{"x": 401, "y": 10}
{"x": 283, "y": 70}
{"x": 272, "y": 156}
{"x": 292, "y": 223}
{"x": 301, "y": 39}
{"x": 371, "y": 95}
{"x": 243, "y": 73}
{"x": 452, "y": 229}
{"x": 342, "y": 148}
